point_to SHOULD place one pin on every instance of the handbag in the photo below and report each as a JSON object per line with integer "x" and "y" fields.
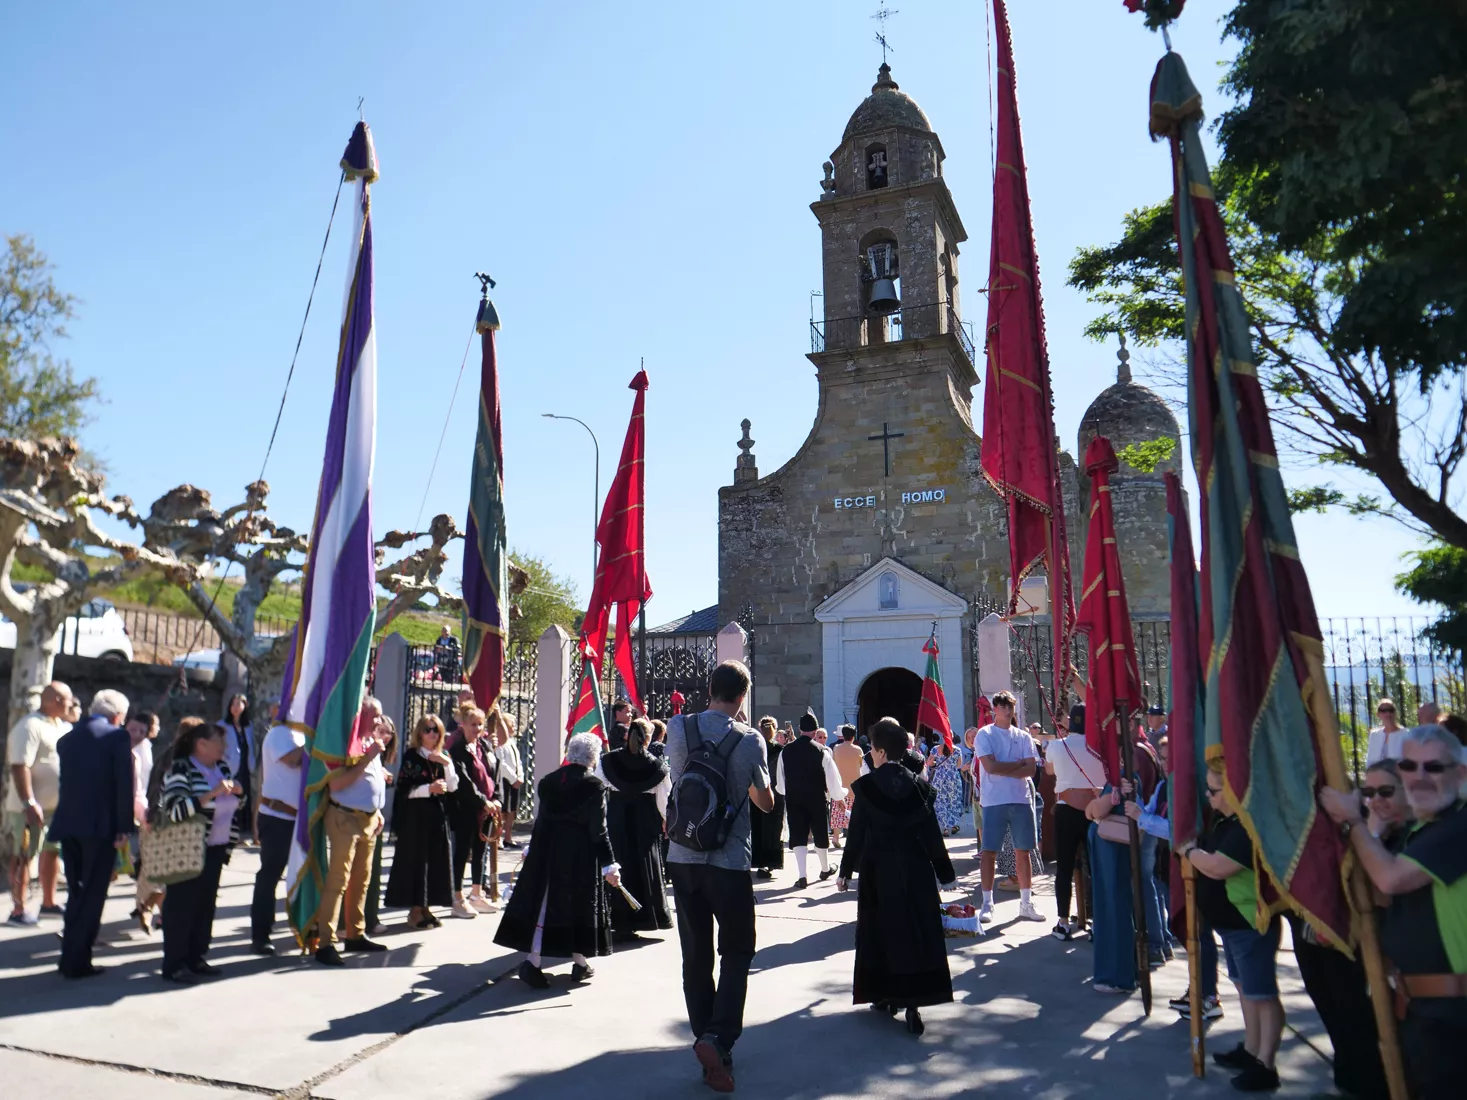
{"x": 175, "y": 853}
{"x": 1115, "y": 828}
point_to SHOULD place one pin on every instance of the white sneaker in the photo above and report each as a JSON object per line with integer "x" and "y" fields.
{"x": 462, "y": 909}
{"x": 985, "y": 914}
{"x": 1028, "y": 912}
{"x": 481, "y": 903}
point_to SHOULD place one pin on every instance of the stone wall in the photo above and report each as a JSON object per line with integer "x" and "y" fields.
{"x": 785, "y": 546}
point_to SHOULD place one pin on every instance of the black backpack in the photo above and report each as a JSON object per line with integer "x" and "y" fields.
{"x": 699, "y": 813}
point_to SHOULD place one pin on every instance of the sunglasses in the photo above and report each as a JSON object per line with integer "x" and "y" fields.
{"x": 1386, "y": 710}
{"x": 1386, "y": 791}
{"x": 1430, "y": 767}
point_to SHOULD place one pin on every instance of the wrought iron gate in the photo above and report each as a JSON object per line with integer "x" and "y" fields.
{"x": 434, "y": 679}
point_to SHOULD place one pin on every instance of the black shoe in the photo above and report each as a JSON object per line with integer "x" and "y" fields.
{"x": 914, "y": 1022}
{"x": 801, "y": 883}
{"x": 177, "y": 977}
{"x": 361, "y": 943}
{"x": 1257, "y": 1078}
{"x": 262, "y": 948}
{"x": 327, "y": 955}
{"x": 204, "y": 970}
{"x": 513, "y": 845}
{"x": 886, "y": 1008}
{"x": 53, "y": 910}
{"x": 825, "y": 874}
{"x": 581, "y": 973}
{"x": 625, "y": 937}
{"x": 1237, "y": 1058}
{"x": 91, "y": 970}
{"x": 1184, "y": 1001}
{"x": 533, "y": 976}
{"x": 764, "y": 872}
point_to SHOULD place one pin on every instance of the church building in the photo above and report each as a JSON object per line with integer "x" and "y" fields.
{"x": 882, "y": 523}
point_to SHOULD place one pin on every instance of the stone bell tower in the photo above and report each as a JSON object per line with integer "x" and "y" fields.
{"x": 881, "y": 523}
{"x": 890, "y": 237}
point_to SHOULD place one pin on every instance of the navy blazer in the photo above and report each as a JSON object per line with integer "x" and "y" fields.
{"x": 96, "y": 782}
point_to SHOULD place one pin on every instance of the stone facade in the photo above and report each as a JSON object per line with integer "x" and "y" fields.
{"x": 891, "y": 467}
{"x": 1129, "y": 414}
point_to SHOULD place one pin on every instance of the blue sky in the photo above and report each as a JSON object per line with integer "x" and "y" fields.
{"x": 637, "y": 176}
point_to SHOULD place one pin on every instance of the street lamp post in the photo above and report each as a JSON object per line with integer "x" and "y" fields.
{"x": 596, "y": 485}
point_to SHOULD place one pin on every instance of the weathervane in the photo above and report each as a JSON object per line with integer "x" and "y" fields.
{"x": 881, "y": 17}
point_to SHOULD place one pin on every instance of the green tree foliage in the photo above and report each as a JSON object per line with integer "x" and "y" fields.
{"x": 39, "y": 394}
{"x": 1439, "y": 576}
{"x": 1147, "y": 456}
{"x": 1350, "y": 128}
{"x": 1341, "y": 189}
{"x": 546, "y": 599}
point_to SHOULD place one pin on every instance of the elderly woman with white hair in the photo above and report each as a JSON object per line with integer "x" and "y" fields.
{"x": 558, "y": 907}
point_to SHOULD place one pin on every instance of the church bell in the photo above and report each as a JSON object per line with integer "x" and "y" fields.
{"x": 881, "y": 263}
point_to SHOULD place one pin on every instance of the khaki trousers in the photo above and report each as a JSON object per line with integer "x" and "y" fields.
{"x": 350, "y": 836}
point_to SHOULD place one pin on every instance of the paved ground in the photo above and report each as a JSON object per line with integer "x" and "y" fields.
{"x": 439, "y": 1015}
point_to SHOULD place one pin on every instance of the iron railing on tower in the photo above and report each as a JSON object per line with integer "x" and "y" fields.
{"x": 907, "y": 323}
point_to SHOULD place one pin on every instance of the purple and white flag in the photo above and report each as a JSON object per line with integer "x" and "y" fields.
{"x": 327, "y": 673}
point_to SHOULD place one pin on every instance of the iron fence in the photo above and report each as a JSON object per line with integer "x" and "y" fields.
{"x": 907, "y": 323}
{"x": 1373, "y": 657}
{"x": 159, "y": 636}
{"x": 1366, "y": 659}
{"x": 435, "y": 677}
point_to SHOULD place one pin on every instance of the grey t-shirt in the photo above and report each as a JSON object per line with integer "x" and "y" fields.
{"x": 748, "y": 767}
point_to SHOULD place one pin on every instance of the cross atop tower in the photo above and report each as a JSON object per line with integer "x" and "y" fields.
{"x": 881, "y": 16}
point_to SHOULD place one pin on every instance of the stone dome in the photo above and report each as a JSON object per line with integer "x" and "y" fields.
{"x": 886, "y": 108}
{"x": 1128, "y": 413}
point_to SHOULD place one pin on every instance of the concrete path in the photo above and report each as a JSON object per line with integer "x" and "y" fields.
{"x": 441, "y": 1015}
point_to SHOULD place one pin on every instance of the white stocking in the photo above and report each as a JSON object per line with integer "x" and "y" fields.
{"x": 802, "y": 856}
{"x": 823, "y": 854}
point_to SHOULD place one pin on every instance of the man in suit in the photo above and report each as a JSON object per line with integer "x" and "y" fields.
{"x": 93, "y": 819}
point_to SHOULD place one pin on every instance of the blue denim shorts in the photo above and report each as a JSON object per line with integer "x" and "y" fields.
{"x": 1250, "y": 956}
{"x": 1017, "y": 816}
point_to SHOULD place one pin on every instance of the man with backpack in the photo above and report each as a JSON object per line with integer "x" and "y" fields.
{"x": 717, "y": 767}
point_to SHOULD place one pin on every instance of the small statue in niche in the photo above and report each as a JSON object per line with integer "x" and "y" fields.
{"x": 827, "y": 185}
{"x": 929, "y": 161}
{"x": 888, "y": 591}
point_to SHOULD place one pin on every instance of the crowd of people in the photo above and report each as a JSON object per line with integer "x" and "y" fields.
{"x": 707, "y": 804}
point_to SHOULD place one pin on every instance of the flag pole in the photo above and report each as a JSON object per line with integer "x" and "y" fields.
{"x": 1138, "y": 902}
{"x": 1359, "y": 892}
{"x": 1194, "y": 969}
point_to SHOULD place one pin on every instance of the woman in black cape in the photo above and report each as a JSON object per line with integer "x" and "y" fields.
{"x": 422, "y": 872}
{"x": 558, "y": 906}
{"x": 636, "y": 808}
{"x": 896, "y": 846}
{"x": 768, "y": 828}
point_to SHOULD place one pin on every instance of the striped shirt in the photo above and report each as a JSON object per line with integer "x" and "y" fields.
{"x": 184, "y": 790}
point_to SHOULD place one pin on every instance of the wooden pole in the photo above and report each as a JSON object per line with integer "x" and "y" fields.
{"x": 1359, "y": 893}
{"x": 1138, "y": 896}
{"x": 1194, "y": 969}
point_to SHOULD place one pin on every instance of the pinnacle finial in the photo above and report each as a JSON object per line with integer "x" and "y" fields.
{"x": 1123, "y": 372}
{"x": 883, "y": 79}
{"x": 745, "y": 468}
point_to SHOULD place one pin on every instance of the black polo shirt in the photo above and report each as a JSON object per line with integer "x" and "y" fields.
{"x": 1425, "y": 931}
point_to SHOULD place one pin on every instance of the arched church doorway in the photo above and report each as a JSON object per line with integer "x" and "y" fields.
{"x": 889, "y": 693}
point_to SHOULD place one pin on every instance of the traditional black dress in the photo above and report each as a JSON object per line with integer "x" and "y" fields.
{"x": 768, "y": 828}
{"x": 896, "y": 845}
{"x": 560, "y": 887}
{"x": 422, "y": 872}
{"x": 634, "y": 824}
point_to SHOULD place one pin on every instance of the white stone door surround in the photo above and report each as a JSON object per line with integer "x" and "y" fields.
{"x": 881, "y": 620}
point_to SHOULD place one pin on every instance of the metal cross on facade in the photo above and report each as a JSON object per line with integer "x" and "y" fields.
{"x": 886, "y": 436}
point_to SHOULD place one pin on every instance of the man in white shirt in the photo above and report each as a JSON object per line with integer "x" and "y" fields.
{"x": 808, "y": 778}
{"x": 1004, "y": 762}
{"x": 357, "y": 794}
{"x": 35, "y": 786}
{"x": 281, "y": 758}
{"x": 1384, "y": 742}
